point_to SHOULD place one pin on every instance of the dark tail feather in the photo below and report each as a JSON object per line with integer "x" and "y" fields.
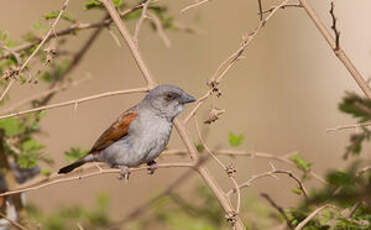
{"x": 71, "y": 167}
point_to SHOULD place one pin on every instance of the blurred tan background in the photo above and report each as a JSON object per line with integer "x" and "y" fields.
{"x": 282, "y": 97}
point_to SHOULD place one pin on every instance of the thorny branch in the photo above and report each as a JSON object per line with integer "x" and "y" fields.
{"x": 14, "y": 223}
{"x": 132, "y": 42}
{"x": 196, "y": 4}
{"x": 227, "y": 64}
{"x": 278, "y": 208}
{"x": 75, "y": 102}
{"x": 311, "y": 216}
{"x": 334, "y": 28}
{"x": 47, "y": 35}
{"x": 272, "y": 173}
{"x": 340, "y": 54}
{"x": 72, "y": 30}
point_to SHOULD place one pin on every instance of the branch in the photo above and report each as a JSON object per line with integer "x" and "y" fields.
{"x": 284, "y": 7}
{"x": 43, "y": 94}
{"x": 130, "y": 42}
{"x": 278, "y": 208}
{"x": 75, "y": 102}
{"x": 236, "y": 153}
{"x": 230, "y": 170}
{"x": 341, "y": 55}
{"x": 169, "y": 189}
{"x": 271, "y": 173}
{"x": 196, "y": 4}
{"x": 140, "y": 21}
{"x": 14, "y": 223}
{"x": 51, "y": 29}
{"x": 260, "y": 9}
{"x": 351, "y": 126}
{"x": 310, "y": 217}
{"x": 227, "y": 64}
{"x": 71, "y": 30}
{"x": 209, "y": 180}
{"x": 57, "y": 178}
{"x": 334, "y": 28}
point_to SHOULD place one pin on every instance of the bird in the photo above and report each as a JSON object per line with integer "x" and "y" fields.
{"x": 139, "y": 134}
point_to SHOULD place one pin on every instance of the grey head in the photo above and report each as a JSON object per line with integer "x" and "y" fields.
{"x": 167, "y": 100}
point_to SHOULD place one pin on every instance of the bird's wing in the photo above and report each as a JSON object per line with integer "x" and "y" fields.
{"x": 116, "y": 131}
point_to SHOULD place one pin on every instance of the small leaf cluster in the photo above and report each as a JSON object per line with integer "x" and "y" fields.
{"x": 360, "y": 108}
{"x": 19, "y": 141}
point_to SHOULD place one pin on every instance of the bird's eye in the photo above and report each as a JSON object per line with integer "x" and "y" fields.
{"x": 169, "y": 96}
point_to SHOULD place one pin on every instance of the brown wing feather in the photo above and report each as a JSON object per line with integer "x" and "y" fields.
{"x": 116, "y": 131}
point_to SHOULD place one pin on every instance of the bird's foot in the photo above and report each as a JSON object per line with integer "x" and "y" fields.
{"x": 124, "y": 173}
{"x": 152, "y": 166}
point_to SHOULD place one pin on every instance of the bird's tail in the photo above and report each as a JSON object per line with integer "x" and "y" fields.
{"x": 71, "y": 167}
{"x": 76, "y": 164}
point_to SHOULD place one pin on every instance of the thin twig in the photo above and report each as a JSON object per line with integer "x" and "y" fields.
{"x": 14, "y": 223}
{"x": 144, "y": 207}
{"x": 50, "y": 31}
{"x": 57, "y": 179}
{"x": 130, "y": 42}
{"x": 351, "y": 126}
{"x": 340, "y": 54}
{"x": 334, "y": 28}
{"x": 310, "y": 217}
{"x": 298, "y": 5}
{"x": 160, "y": 29}
{"x": 279, "y": 209}
{"x": 72, "y": 30}
{"x": 196, "y": 4}
{"x": 228, "y": 63}
{"x": 271, "y": 173}
{"x": 230, "y": 171}
{"x": 260, "y": 9}
{"x": 75, "y": 102}
{"x": 252, "y": 155}
{"x": 138, "y": 26}
{"x": 43, "y": 94}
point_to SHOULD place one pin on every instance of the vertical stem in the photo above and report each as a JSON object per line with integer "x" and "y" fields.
{"x": 209, "y": 180}
{"x": 129, "y": 41}
{"x": 338, "y": 51}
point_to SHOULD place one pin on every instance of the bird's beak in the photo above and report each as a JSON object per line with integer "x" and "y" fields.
{"x": 186, "y": 98}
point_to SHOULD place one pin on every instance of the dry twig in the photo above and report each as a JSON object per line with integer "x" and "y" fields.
{"x": 14, "y": 223}
{"x": 341, "y": 55}
{"x": 310, "y": 217}
{"x": 278, "y": 208}
{"x": 50, "y": 31}
{"x": 196, "y": 4}
{"x": 75, "y": 102}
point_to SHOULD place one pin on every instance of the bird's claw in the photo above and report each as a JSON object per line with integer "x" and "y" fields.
{"x": 152, "y": 167}
{"x": 124, "y": 173}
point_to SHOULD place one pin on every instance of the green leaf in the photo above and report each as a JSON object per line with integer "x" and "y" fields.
{"x": 74, "y": 154}
{"x": 358, "y": 107}
{"x": 234, "y": 140}
{"x": 200, "y": 148}
{"x": 297, "y": 191}
{"x": 300, "y": 162}
{"x": 11, "y": 126}
{"x": 117, "y": 3}
{"x": 26, "y": 160}
{"x": 32, "y": 145}
{"x": 92, "y": 4}
{"x": 54, "y": 15}
{"x": 39, "y": 25}
{"x": 46, "y": 172}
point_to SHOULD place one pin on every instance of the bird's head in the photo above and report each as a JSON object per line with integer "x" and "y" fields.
{"x": 168, "y": 100}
